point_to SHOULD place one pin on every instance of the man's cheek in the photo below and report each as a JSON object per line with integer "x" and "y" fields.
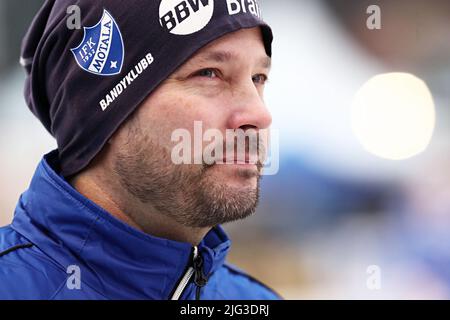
{"x": 204, "y": 88}
{"x": 209, "y": 111}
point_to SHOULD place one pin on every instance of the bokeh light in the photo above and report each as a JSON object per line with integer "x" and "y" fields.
{"x": 393, "y": 116}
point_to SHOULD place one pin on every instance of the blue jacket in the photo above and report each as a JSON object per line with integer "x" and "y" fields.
{"x": 61, "y": 245}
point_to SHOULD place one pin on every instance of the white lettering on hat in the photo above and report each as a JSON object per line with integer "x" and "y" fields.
{"x": 183, "y": 17}
{"x": 243, "y": 6}
{"x": 126, "y": 81}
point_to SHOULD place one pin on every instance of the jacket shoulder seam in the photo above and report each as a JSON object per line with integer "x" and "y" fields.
{"x": 235, "y": 270}
{"x": 58, "y": 290}
{"x": 15, "y": 247}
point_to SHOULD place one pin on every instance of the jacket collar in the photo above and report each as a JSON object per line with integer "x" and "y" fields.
{"x": 115, "y": 259}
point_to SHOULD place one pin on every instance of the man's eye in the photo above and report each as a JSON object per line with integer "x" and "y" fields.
{"x": 260, "y": 78}
{"x": 207, "y": 73}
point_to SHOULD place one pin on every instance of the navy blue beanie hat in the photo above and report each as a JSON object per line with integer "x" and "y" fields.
{"x": 82, "y": 84}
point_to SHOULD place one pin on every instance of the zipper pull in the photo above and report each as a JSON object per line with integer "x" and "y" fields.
{"x": 200, "y": 279}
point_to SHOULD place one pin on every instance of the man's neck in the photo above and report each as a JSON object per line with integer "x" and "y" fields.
{"x": 142, "y": 217}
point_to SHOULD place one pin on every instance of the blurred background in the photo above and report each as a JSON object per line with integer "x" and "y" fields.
{"x": 360, "y": 208}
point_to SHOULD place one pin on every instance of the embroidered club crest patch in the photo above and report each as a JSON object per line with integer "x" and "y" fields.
{"x": 101, "y": 51}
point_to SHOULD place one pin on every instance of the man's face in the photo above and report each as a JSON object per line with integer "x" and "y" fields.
{"x": 222, "y": 86}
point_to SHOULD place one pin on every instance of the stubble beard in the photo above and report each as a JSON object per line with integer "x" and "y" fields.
{"x": 189, "y": 194}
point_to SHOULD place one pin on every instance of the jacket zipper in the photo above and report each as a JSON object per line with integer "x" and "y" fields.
{"x": 196, "y": 270}
{"x": 200, "y": 279}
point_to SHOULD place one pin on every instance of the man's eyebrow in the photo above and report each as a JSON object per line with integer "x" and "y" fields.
{"x": 227, "y": 56}
{"x": 266, "y": 62}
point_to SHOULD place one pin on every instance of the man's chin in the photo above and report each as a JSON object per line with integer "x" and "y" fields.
{"x": 227, "y": 199}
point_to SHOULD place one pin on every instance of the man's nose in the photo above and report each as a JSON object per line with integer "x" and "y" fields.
{"x": 249, "y": 109}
